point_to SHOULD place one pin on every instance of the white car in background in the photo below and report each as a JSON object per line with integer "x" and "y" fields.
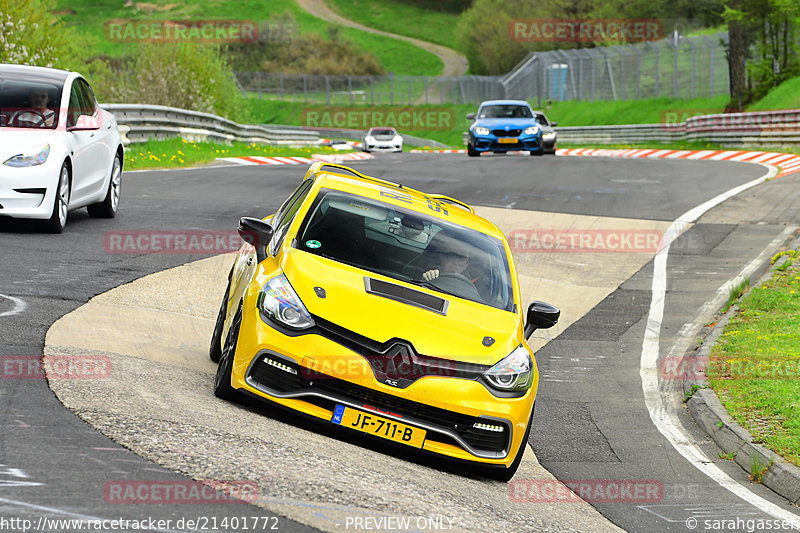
{"x": 59, "y": 151}
{"x": 382, "y": 140}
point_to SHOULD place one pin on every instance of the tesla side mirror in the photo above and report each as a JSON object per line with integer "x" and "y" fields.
{"x": 257, "y": 233}
{"x": 470, "y": 116}
{"x": 84, "y": 123}
{"x": 554, "y": 124}
{"x": 541, "y": 316}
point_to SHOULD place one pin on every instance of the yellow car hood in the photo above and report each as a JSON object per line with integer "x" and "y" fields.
{"x": 458, "y": 335}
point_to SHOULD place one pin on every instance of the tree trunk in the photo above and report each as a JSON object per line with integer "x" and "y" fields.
{"x": 737, "y": 59}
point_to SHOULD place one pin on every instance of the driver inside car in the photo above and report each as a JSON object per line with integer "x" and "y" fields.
{"x": 38, "y": 114}
{"x": 449, "y": 258}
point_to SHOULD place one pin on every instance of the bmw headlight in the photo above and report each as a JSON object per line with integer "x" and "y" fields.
{"x": 280, "y": 303}
{"x": 532, "y": 130}
{"x": 35, "y": 157}
{"x": 513, "y": 373}
{"x": 480, "y": 130}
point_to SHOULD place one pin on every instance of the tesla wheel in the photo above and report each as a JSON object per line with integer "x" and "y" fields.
{"x": 471, "y": 151}
{"x": 508, "y": 473}
{"x": 58, "y": 217}
{"x": 215, "y": 349}
{"x": 222, "y": 381}
{"x": 108, "y": 207}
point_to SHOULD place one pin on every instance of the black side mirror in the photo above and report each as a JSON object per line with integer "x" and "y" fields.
{"x": 554, "y": 124}
{"x": 471, "y": 116}
{"x": 256, "y": 232}
{"x": 541, "y": 316}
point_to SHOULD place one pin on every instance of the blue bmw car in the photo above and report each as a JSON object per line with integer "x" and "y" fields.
{"x": 503, "y": 126}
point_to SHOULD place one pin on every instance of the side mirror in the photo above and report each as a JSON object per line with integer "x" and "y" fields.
{"x": 85, "y": 122}
{"x": 541, "y": 316}
{"x": 470, "y": 116}
{"x": 257, "y": 233}
{"x": 554, "y": 124}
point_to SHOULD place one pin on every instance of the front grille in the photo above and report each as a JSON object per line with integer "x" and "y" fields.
{"x": 506, "y": 133}
{"x": 285, "y": 382}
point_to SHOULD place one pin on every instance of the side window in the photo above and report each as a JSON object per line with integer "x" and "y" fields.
{"x": 541, "y": 119}
{"x": 286, "y": 214}
{"x": 88, "y": 102}
{"x": 74, "y": 109}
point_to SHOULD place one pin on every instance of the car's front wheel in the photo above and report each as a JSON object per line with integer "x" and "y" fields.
{"x": 215, "y": 349}
{"x": 471, "y": 151}
{"x": 58, "y": 217}
{"x": 540, "y": 151}
{"x": 108, "y": 207}
{"x": 222, "y": 381}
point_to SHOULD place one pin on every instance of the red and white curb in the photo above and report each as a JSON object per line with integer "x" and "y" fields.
{"x": 787, "y": 163}
{"x": 328, "y": 158}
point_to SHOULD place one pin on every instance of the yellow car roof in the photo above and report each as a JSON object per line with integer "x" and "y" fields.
{"x": 346, "y": 179}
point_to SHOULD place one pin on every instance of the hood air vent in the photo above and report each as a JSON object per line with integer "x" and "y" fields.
{"x": 406, "y": 295}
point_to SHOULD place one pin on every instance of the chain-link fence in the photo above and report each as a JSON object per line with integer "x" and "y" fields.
{"x": 679, "y": 67}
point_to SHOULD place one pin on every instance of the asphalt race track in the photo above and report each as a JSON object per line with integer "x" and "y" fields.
{"x": 591, "y": 420}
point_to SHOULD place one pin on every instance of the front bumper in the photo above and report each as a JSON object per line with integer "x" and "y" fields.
{"x": 446, "y": 407}
{"x": 382, "y": 147}
{"x": 493, "y": 143}
{"x": 28, "y": 192}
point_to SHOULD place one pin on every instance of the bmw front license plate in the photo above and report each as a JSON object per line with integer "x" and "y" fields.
{"x": 507, "y": 140}
{"x": 377, "y": 425}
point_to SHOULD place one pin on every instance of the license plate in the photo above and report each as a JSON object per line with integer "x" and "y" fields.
{"x": 507, "y": 140}
{"x": 377, "y": 425}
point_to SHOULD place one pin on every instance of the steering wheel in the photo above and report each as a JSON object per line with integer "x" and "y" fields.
{"x": 17, "y": 119}
{"x": 456, "y": 276}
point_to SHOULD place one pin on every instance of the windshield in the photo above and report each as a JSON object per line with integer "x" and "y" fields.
{"x": 29, "y": 104}
{"x": 382, "y": 131}
{"x": 505, "y": 111}
{"x": 408, "y": 246}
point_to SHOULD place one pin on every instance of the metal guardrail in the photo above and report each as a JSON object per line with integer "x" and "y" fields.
{"x": 764, "y": 128}
{"x": 138, "y": 123}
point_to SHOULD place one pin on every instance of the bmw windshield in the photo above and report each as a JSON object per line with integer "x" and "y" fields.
{"x": 408, "y": 246}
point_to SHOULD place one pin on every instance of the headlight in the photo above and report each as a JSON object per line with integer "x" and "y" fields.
{"x": 369, "y": 139}
{"x": 513, "y": 373}
{"x": 397, "y": 139}
{"x": 29, "y": 159}
{"x": 532, "y": 130}
{"x": 479, "y": 130}
{"x": 549, "y": 136}
{"x": 278, "y": 300}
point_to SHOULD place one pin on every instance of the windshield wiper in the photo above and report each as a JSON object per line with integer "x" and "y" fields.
{"x": 429, "y": 285}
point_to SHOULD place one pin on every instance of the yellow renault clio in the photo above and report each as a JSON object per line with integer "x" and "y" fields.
{"x": 387, "y": 311}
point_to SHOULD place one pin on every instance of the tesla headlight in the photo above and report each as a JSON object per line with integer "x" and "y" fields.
{"x": 35, "y": 157}
{"x": 480, "y": 130}
{"x": 549, "y": 136}
{"x": 513, "y": 373}
{"x": 532, "y": 130}
{"x": 280, "y": 303}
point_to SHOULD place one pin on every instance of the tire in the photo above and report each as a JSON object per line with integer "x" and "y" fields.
{"x": 215, "y": 349}
{"x": 506, "y": 475}
{"x": 58, "y": 217}
{"x": 539, "y": 152}
{"x": 222, "y": 380}
{"x": 471, "y": 151}
{"x": 108, "y": 207}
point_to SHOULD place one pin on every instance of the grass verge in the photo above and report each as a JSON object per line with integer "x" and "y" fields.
{"x": 177, "y": 153}
{"x": 755, "y": 365}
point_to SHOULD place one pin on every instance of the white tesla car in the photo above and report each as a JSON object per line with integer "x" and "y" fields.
{"x": 59, "y": 151}
{"x": 382, "y": 140}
